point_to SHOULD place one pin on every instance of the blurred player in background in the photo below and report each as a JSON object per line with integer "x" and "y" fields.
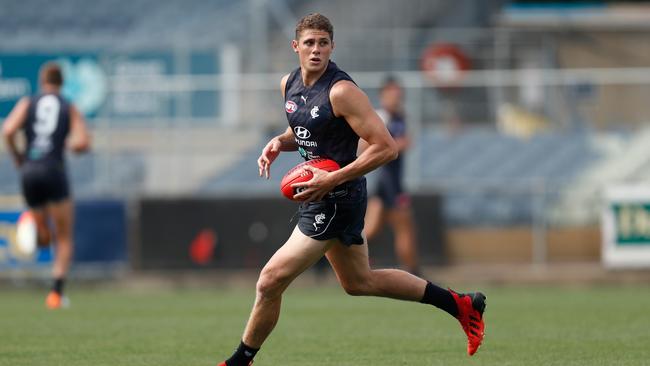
{"x": 327, "y": 115}
{"x": 49, "y": 123}
{"x": 389, "y": 201}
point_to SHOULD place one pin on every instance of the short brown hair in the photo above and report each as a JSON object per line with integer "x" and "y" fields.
{"x": 51, "y": 74}
{"x": 315, "y": 21}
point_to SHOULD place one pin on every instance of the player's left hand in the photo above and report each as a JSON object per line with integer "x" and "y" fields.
{"x": 317, "y": 187}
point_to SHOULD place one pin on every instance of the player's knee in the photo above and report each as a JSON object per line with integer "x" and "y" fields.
{"x": 371, "y": 231}
{"x": 64, "y": 245}
{"x": 270, "y": 284}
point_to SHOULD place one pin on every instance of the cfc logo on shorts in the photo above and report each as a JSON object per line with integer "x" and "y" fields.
{"x": 319, "y": 220}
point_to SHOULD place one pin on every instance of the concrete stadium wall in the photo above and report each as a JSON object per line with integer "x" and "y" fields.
{"x": 515, "y": 245}
{"x": 233, "y": 233}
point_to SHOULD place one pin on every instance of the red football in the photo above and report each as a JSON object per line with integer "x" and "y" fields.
{"x": 297, "y": 175}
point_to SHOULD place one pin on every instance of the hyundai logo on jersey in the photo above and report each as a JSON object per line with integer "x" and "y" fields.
{"x": 301, "y": 132}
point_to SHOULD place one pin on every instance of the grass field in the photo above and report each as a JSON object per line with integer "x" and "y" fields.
{"x": 323, "y": 326}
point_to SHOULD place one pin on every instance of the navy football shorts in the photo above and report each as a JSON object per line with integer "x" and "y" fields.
{"x": 43, "y": 182}
{"x": 339, "y": 216}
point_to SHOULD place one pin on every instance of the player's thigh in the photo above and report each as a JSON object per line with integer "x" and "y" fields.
{"x": 350, "y": 263}
{"x": 62, "y": 214}
{"x": 374, "y": 216}
{"x": 297, "y": 254}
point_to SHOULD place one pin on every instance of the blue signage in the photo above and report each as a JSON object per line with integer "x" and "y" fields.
{"x": 85, "y": 80}
{"x": 87, "y": 83}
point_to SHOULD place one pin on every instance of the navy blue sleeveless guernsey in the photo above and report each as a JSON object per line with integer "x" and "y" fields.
{"x": 46, "y": 128}
{"x": 318, "y": 132}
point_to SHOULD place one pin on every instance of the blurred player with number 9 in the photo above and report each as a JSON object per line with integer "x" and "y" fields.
{"x": 49, "y": 123}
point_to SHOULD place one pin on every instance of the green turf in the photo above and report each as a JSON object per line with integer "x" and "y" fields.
{"x": 323, "y": 326}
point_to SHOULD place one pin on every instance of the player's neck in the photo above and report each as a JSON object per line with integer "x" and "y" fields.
{"x": 50, "y": 89}
{"x": 310, "y": 78}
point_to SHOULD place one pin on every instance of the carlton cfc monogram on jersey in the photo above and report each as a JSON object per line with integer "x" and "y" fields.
{"x": 317, "y": 131}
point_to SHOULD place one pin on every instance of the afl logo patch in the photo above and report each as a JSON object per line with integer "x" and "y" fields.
{"x": 290, "y": 106}
{"x": 301, "y": 132}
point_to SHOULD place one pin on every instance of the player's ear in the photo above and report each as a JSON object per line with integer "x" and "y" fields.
{"x": 294, "y": 45}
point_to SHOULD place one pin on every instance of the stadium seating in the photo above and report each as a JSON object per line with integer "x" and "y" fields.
{"x": 491, "y": 178}
{"x": 118, "y": 23}
{"x": 483, "y": 154}
{"x": 242, "y": 176}
{"x": 486, "y": 177}
{"x": 8, "y": 177}
{"x": 91, "y": 175}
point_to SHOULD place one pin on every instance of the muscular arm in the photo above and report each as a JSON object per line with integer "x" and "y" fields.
{"x": 351, "y": 103}
{"x": 12, "y": 124}
{"x": 403, "y": 140}
{"x": 284, "y": 142}
{"x": 287, "y": 139}
{"x": 402, "y": 143}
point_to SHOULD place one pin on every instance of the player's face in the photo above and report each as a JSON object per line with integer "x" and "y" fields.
{"x": 391, "y": 98}
{"x": 314, "y": 48}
